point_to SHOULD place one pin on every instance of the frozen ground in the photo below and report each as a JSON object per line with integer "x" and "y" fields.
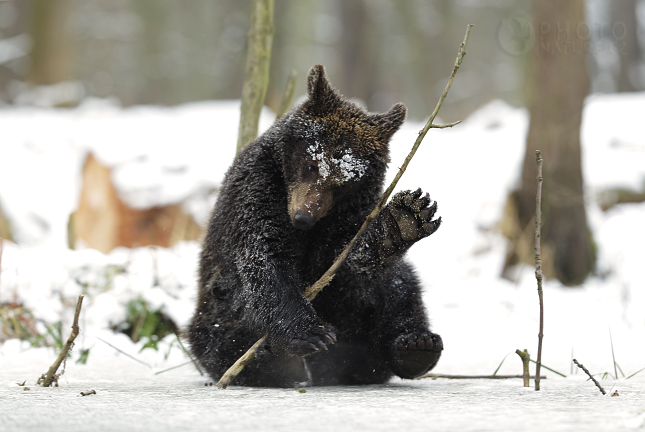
{"x": 128, "y": 397}
{"x": 481, "y": 317}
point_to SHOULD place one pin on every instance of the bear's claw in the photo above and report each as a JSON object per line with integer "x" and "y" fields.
{"x": 317, "y": 339}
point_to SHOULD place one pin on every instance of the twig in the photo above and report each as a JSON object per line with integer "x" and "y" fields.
{"x": 256, "y": 74}
{"x": 51, "y": 377}
{"x": 287, "y": 96}
{"x": 325, "y": 279}
{"x": 538, "y": 263}
{"x": 524, "y": 355}
{"x": 602, "y": 390}
{"x": 435, "y": 376}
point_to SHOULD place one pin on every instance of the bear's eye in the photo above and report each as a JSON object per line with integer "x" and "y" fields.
{"x": 310, "y": 171}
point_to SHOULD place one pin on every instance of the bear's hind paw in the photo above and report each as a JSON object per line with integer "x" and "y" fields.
{"x": 416, "y": 353}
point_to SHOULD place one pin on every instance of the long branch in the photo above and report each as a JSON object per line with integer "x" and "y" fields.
{"x": 325, "y": 279}
{"x": 492, "y": 377}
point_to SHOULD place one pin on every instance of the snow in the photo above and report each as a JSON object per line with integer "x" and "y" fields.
{"x": 346, "y": 167}
{"x": 161, "y": 155}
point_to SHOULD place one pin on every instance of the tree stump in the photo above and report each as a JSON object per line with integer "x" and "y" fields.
{"x": 104, "y": 221}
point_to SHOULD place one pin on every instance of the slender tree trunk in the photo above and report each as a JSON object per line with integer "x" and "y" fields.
{"x": 557, "y": 85}
{"x": 256, "y": 76}
{"x": 624, "y": 32}
{"x": 51, "y": 55}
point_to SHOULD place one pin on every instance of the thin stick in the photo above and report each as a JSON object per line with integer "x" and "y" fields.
{"x": 602, "y": 390}
{"x": 51, "y": 376}
{"x": 538, "y": 264}
{"x": 524, "y": 355}
{"x": 287, "y": 96}
{"x": 325, "y": 279}
{"x": 435, "y": 376}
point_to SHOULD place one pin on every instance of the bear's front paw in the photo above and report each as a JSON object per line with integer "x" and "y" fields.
{"x": 416, "y": 353}
{"x": 317, "y": 338}
{"x": 410, "y": 219}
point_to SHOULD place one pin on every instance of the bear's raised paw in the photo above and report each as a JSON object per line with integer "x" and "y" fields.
{"x": 408, "y": 220}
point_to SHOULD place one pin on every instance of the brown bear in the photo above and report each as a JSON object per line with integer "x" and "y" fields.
{"x": 288, "y": 205}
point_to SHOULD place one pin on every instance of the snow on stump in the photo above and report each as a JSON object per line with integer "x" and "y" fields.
{"x": 104, "y": 220}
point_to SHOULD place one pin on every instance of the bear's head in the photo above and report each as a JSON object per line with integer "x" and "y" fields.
{"x": 332, "y": 146}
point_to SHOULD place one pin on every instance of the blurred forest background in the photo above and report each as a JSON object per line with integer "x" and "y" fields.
{"x": 545, "y": 55}
{"x": 380, "y": 51}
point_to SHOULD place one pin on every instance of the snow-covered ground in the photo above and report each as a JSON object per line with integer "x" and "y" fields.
{"x": 163, "y": 154}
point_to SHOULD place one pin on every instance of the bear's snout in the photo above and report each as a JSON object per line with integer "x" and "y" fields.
{"x": 303, "y": 220}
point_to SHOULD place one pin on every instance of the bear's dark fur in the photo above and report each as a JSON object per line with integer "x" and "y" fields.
{"x": 289, "y": 204}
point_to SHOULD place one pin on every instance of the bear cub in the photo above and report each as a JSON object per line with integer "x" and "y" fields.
{"x": 288, "y": 205}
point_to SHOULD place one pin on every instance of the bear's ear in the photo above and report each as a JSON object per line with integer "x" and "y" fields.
{"x": 317, "y": 85}
{"x": 389, "y": 122}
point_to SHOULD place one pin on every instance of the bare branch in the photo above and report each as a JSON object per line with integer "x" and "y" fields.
{"x": 435, "y": 376}
{"x": 449, "y": 125}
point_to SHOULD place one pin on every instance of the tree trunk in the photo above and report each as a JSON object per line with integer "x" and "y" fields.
{"x": 256, "y": 75}
{"x": 624, "y": 32}
{"x": 51, "y": 55}
{"x": 557, "y": 85}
